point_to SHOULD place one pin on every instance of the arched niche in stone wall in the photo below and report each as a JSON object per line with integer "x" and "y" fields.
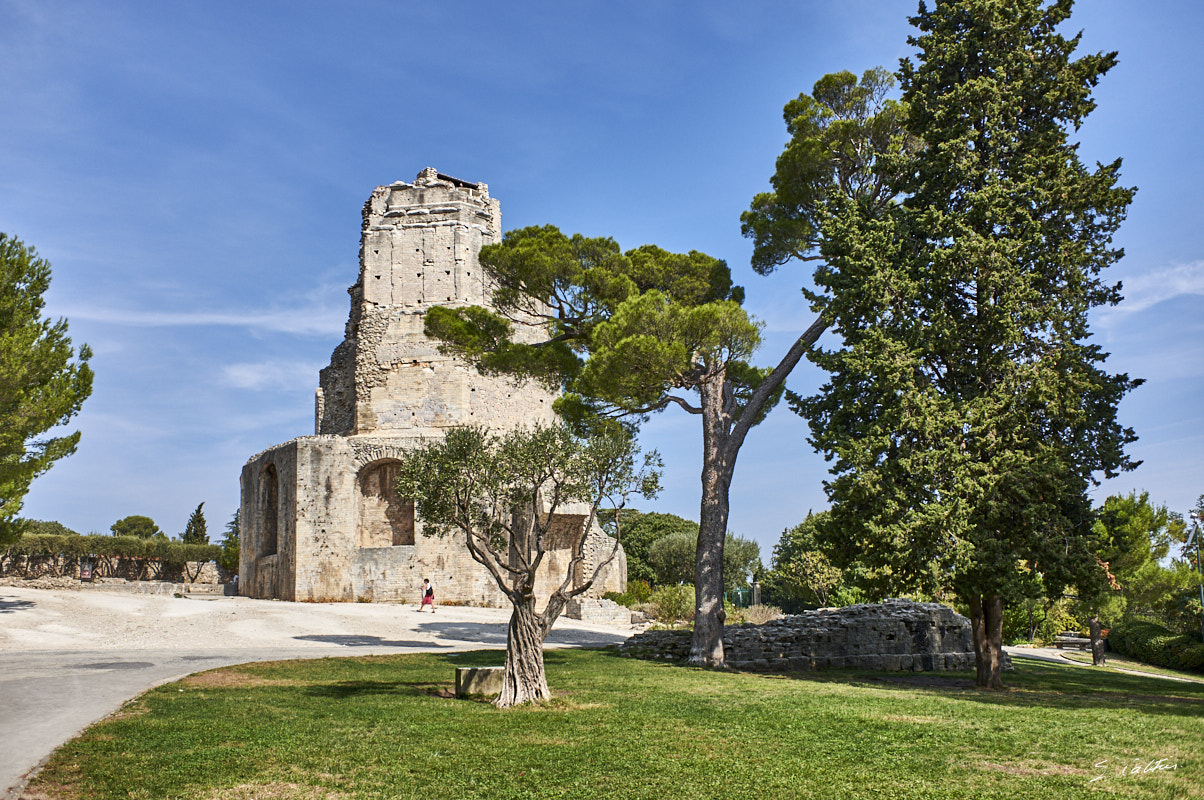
{"x": 268, "y": 507}
{"x": 383, "y": 518}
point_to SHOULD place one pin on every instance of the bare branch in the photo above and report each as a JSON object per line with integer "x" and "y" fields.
{"x": 765, "y": 390}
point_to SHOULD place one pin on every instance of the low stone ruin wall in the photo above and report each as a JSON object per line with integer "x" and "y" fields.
{"x": 599, "y": 612}
{"x": 894, "y": 635}
{"x": 67, "y": 568}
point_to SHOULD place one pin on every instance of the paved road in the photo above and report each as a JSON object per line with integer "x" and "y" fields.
{"x": 68, "y": 659}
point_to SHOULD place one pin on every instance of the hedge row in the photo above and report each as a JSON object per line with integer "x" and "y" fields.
{"x": 95, "y": 544}
{"x": 1150, "y": 642}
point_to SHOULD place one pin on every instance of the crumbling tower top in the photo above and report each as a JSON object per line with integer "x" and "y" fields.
{"x": 418, "y": 248}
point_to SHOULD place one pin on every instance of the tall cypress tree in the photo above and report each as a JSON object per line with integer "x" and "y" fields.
{"x": 967, "y": 410}
{"x": 195, "y": 532}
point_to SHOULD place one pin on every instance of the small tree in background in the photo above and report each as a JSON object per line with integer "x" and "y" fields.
{"x": 802, "y": 571}
{"x": 502, "y": 493}
{"x": 640, "y": 530}
{"x": 672, "y": 559}
{"x": 137, "y": 526}
{"x": 194, "y": 531}
{"x": 43, "y": 382}
{"x": 228, "y": 560}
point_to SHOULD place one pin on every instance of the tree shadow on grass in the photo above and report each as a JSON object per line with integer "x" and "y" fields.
{"x": 356, "y": 640}
{"x": 1041, "y": 684}
{"x": 348, "y": 689}
{"x": 494, "y": 634}
{"x": 1032, "y": 683}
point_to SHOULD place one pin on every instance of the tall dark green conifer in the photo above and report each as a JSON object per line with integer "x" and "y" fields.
{"x": 967, "y": 411}
{"x": 195, "y": 532}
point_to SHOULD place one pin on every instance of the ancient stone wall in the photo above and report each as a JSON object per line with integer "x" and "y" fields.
{"x": 894, "y": 635}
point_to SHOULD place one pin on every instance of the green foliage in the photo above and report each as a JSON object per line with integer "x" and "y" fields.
{"x": 629, "y": 333}
{"x": 1152, "y": 643}
{"x": 638, "y": 592}
{"x": 638, "y": 531}
{"x": 74, "y": 545}
{"x": 503, "y": 491}
{"x": 672, "y": 603}
{"x": 47, "y": 528}
{"x": 802, "y": 575}
{"x": 1041, "y": 620}
{"x": 43, "y": 381}
{"x": 228, "y": 559}
{"x": 845, "y": 137}
{"x": 847, "y": 596}
{"x": 137, "y": 526}
{"x": 966, "y": 413}
{"x": 672, "y": 559}
{"x": 194, "y": 531}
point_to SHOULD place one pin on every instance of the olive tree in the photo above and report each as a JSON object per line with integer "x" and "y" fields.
{"x": 503, "y": 493}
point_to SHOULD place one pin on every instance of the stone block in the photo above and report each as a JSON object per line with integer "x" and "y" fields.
{"x": 478, "y": 681}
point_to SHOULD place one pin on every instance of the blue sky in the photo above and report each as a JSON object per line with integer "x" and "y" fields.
{"x": 195, "y": 173}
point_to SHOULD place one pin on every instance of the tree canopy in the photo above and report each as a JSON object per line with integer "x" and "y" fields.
{"x": 503, "y": 493}
{"x": 137, "y": 526}
{"x": 627, "y": 334}
{"x": 43, "y": 380}
{"x": 846, "y": 138}
{"x": 967, "y": 413}
{"x": 639, "y": 530}
{"x": 801, "y": 571}
{"x": 672, "y": 559}
{"x": 228, "y": 560}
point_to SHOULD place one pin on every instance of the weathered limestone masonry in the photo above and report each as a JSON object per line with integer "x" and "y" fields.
{"x": 320, "y": 520}
{"x": 894, "y": 635}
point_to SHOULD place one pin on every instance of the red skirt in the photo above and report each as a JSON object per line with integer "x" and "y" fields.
{"x": 428, "y": 600}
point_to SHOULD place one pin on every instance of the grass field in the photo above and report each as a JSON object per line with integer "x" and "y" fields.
{"x": 1122, "y": 662}
{"x": 384, "y": 727}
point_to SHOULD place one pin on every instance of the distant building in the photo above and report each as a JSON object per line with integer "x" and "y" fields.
{"x": 320, "y": 520}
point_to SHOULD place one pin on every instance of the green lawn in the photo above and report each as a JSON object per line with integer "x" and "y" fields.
{"x": 383, "y": 727}
{"x": 1122, "y": 662}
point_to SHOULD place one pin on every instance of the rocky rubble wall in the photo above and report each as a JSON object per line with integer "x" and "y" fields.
{"x": 894, "y": 635}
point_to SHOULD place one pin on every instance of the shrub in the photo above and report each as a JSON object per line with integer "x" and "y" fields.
{"x": 1152, "y": 643}
{"x": 754, "y": 615}
{"x": 673, "y": 603}
{"x": 637, "y": 592}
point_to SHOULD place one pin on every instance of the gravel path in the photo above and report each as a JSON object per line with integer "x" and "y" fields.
{"x": 70, "y": 658}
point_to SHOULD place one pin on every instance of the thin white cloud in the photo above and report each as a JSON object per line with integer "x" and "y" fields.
{"x": 271, "y": 374}
{"x": 313, "y": 321}
{"x": 1148, "y": 289}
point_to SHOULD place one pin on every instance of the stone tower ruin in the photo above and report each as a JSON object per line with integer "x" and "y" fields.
{"x": 320, "y": 520}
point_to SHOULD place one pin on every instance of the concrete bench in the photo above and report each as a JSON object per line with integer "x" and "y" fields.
{"x": 478, "y": 680}
{"x": 1072, "y": 641}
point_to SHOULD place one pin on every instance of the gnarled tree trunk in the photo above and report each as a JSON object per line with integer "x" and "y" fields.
{"x": 524, "y": 679}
